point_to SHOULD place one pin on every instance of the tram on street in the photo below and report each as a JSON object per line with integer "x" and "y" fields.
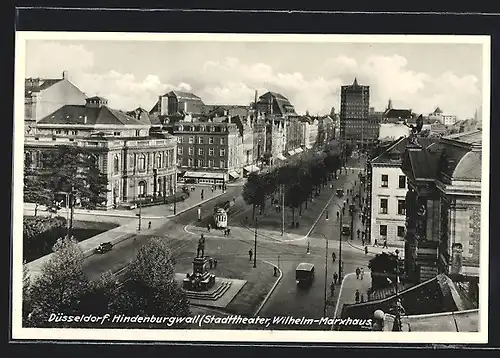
{"x": 220, "y": 218}
{"x": 220, "y": 214}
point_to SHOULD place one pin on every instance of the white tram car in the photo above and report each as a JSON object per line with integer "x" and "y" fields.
{"x": 220, "y": 218}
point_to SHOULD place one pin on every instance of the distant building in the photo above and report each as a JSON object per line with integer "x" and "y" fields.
{"x": 392, "y": 124}
{"x": 355, "y": 123}
{"x": 326, "y": 130}
{"x": 136, "y": 164}
{"x": 309, "y": 131}
{"x": 178, "y": 102}
{"x": 43, "y": 96}
{"x": 272, "y": 103}
{"x": 445, "y": 119}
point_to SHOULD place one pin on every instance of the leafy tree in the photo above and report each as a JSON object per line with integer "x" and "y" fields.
{"x": 35, "y": 190}
{"x": 40, "y": 233}
{"x": 60, "y": 286}
{"x": 75, "y": 171}
{"x": 384, "y": 268}
{"x": 149, "y": 287}
{"x": 26, "y": 295}
{"x": 254, "y": 191}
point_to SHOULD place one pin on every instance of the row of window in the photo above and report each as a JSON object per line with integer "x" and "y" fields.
{"x": 201, "y": 129}
{"x": 201, "y": 151}
{"x": 385, "y": 181}
{"x": 384, "y": 206}
{"x": 180, "y": 139}
{"x": 200, "y": 163}
{"x": 161, "y": 160}
{"x": 383, "y": 231}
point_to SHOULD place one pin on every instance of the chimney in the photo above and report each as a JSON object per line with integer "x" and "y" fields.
{"x": 255, "y": 100}
{"x": 65, "y": 75}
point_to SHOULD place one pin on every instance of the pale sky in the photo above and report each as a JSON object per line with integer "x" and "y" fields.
{"x": 132, "y": 74}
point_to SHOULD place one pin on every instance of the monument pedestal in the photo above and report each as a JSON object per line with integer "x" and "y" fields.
{"x": 201, "y": 279}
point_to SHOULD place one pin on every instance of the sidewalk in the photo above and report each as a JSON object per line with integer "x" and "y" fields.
{"x": 151, "y": 212}
{"x": 348, "y": 289}
{"x": 270, "y": 222}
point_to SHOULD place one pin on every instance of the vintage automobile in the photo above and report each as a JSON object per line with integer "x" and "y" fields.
{"x": 304, "y": 273}
{"x": 103, "y": 248}
{"x": 340, "y": 193}
{"x": 346, "y": 230}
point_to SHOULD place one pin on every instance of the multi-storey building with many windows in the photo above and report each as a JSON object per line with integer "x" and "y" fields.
{"x": 207, "y": 151}
{"x": 356, "y": 125}
{"x": 137, "y": 165}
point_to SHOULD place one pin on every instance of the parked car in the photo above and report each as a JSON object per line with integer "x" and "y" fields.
{"x": 103, "y": 248}
{"x": 304, "y": 273}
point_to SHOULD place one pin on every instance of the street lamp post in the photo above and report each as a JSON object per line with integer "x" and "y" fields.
{"x": 255, "y": 245}
{"x": 340, "y": 238}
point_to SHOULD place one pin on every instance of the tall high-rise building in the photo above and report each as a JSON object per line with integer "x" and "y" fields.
{"x": 355, "y": 113}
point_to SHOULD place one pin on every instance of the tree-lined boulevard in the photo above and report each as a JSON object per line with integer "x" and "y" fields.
{"x": 306, "y": 185}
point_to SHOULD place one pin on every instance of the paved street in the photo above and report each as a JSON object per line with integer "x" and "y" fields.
{"x": 182, "y": 233}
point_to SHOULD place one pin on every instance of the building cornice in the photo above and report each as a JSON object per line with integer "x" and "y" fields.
{"x": 91, "y": 126}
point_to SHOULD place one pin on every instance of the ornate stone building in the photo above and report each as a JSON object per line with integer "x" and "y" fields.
{"x": 137, "y": 165}
{"x": 443, "y": 206}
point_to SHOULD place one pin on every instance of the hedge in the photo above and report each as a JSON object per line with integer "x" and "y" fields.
{"x": 40, "y": 233}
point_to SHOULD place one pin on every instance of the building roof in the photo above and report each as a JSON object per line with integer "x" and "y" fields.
{"x": 97, "y": 98}
{"x": 438, "y": 111}
{"x": 436, "y": 295}
{"x": 398, "y": 113}
{"x": 142, "y": 115}
{"x": 75, "y": 114}
{"x": 283, "y": 103}
{"x": 183, "y": 95}
{"x": 461, "y": 156}
{"x": 393, "y": 154}
{"x": 38, "y": 84}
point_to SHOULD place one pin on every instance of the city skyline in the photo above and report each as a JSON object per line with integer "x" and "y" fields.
{"x": 419, "y": 76}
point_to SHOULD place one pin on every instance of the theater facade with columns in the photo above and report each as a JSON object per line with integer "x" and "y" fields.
{"x": 443, "y": 206}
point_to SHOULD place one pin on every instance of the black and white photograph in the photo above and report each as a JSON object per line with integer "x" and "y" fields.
{"x": 251, "y": 187}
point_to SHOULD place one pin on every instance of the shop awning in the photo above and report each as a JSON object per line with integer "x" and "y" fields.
{"x": 207, "y": 175}
{"x": 299, "y": 150}
{"x": 251, "y": 168}
{"x": 234, "y": 175}
{"x": 291, "y": 152}
{"x": 281, "y": 157}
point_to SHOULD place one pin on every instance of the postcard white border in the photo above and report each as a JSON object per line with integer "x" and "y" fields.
{"x": 244, "y": 336}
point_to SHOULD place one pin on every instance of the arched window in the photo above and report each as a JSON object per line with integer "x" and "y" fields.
{"x": 116, "y": 164}
{"x": 142, "y": 162}
{"x": 141, "y": 189}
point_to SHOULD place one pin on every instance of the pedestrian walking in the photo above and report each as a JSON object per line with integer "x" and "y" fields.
{"x": 228, "y": 231}
{"x": 333, "y": 256}
{"x": 211, "y": 262}
{"x": 208, "y": 227}
{"x": 250, "y": 254}
{"x": 343, "y": 211}
{"x": 358, "y": 271}
{"x": 356, "y": 296}
{"x": 201, "y": 196}
{"x": 332, "y": 289}
{"x": 385, "y": 245}
{"x": 362, "y": 273}
{"x": 358, "y": 232}
{"x": 338, "y": 215}
{"x": 215, "y": 262}
{"x": 362, "y": 298}
{"x": 199, "y": 213}
{"x": 149, "y": 225}
{"x": 335, "y": 277}
{"x": 375, "y": 243}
